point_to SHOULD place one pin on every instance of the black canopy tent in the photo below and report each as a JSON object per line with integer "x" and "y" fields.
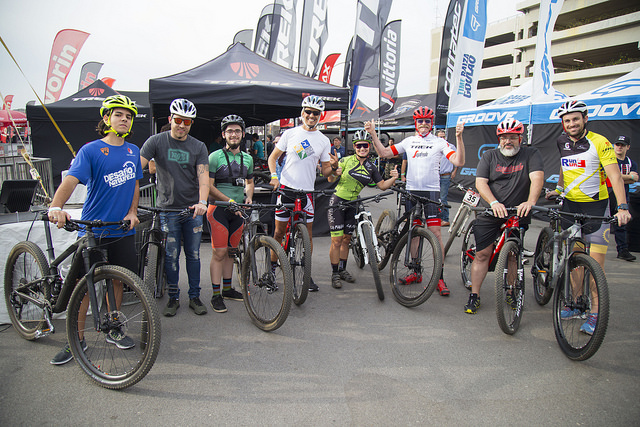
{"x": 78, "y": 116}
{"x": 240, "y": 82}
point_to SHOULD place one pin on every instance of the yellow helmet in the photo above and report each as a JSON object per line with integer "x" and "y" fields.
{"x": 118, "y": 101}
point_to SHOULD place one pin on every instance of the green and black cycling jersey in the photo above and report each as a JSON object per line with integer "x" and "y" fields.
{"x": 229, "y": 171}
{"x": 355, "y": 177}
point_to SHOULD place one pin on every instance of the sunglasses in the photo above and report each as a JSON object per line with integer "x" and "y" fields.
{"x": 179, "y": 121}
{"x": 312, "y": 112}
{"x": 423, "y": 121}
{"x": 361, "y": 146}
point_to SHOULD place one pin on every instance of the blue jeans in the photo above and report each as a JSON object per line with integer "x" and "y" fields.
{"x": 444, "y": 192}
{"x": 189, "y": 230}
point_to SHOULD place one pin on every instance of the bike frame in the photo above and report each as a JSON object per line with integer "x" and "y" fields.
{"x": 511, "y": 231}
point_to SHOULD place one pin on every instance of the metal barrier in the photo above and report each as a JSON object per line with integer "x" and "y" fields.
{"x": 15, "y": 167}
{"x": 148, "y": 195}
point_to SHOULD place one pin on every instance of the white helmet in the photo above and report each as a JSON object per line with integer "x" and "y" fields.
{"x": 313, "y": 101}
{"x": 572, "y": 107}
{"x": 183, "y": 107}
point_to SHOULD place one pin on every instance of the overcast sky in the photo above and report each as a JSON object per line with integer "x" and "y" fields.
{"x": 142, "y": 39}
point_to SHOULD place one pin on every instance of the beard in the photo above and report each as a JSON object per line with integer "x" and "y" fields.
{"x": 233, "y": 146}
{"x": 509, "y": 152}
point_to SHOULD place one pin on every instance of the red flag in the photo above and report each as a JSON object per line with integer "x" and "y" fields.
{"x": 6, "y": 105}
{"x": 327, "y": 67}
{"x": 108, "y": 81}
{"x": 64, "y": 52}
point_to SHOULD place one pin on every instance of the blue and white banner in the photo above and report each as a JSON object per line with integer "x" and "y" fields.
{"x": 468, "y": 57}
{"x": 543, "y": 66}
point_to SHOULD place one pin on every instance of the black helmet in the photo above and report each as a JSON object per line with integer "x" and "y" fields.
{"x": 232, "y": 119}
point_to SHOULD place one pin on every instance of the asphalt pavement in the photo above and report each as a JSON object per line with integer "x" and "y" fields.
{"x": 345, "y": 358}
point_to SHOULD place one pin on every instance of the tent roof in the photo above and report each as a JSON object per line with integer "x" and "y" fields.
{"x": 88, "y": 98}
{"x": 242, "y": 82}
{"x": 19, "y": 118}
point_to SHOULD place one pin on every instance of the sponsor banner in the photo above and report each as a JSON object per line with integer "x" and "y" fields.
{"x": 464, "y": 87}
{"x": 313, "y": 36}
{"x": 263, "y": 32}
{"x": 8, "y": 100}
{"x": 65, "y": 50}
{"x": 488, "y": 116}
{"x": 609, "y": 108}
{"x": 389, "y": 66}
{"x": 543, "y": 66}
{"x": 89, "y": 74}
{"x": 282, "y": 46}
{"x": 109, "y": 81}
{"x": 371, "y": 16}
{"x": 245, "y": 37}
{"x": 327, "y": 68}
{"x": 448, "y": 55}
{"x": 347, "y": 64}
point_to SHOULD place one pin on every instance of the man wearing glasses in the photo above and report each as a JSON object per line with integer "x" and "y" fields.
{"x": 424, "y": 151}
{"x": 182, "y": 167}
{"x": 305, "y": 146}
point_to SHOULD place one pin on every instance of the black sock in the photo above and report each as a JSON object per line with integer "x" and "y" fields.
{"x": 342, "y": 265}
{"x": 334, "y": 268}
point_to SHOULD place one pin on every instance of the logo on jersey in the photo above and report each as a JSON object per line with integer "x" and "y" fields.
{"x": 178, "y": 156}
{"x": 303, "y": 149}
{"x": 105, "y": 150}
{"x": 120, "y": 177}
{"x": 573, "y": 163}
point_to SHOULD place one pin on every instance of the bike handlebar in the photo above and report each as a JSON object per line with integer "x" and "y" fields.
{"x": 377, "y": 198}
{"x": 75, "y": 224}
{"x": 415, "y": 197}
{"x": 578, "y": 217}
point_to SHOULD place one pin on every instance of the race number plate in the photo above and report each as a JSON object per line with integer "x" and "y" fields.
{"x": 471, "y": 198}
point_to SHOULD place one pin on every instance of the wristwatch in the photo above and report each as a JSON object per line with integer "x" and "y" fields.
{"x": 203, "y": 202}
{"x": 623, "y": 206}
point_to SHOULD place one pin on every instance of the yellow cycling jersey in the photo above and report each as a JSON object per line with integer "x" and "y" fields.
{"x": 583, "y": 165}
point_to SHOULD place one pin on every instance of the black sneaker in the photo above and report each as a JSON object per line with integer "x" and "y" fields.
{"x": 313, "y": 287}
{"x": 64, "y": 355}
{"x": 121, "y": 341}
{"x": 626, "y": 255}
{"x": 197, "y": 306}
{"x": 218, "y": 304}
{"x": 335, "y": 280}
{"x": 171, "y": 308}
{"x": 232, "y": 294}
{"x": 473, "y": 304}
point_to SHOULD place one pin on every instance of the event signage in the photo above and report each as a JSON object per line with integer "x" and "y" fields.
{"x": 65, "y": 50}
{"x": 371, "y": 17}
{"x": 543, "y": 73}
{"x": 327, "y": 68}
{"x": 283, "y": 33}
{"x": 389, "y": 66}
{"x": 89, "y": 74}
{"x": 313, "y": 36}
{"x": 263, "y": 32}
{"x": 8, "y": 100}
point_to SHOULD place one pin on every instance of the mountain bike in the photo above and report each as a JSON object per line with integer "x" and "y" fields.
{"x": 267, "y": 292}
{"x": 153, "y": 251}
{"x": 364, "y": 244}
{"x": 414, "y": 252}
{"x": 297, "y": 242}
{"x": 34, "y": 291}
{"x": 563, "y": 269}
{"x": 459, "y": 225}
{"x": 507, "y": 262}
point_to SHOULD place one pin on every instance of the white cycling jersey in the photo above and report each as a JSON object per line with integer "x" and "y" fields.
{"x": 304, "y": 149}
{"x": 423, "y": 160}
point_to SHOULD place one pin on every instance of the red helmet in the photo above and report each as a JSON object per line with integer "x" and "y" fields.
{"x": 423, "y": 113}
{"x": 510, "y": 126}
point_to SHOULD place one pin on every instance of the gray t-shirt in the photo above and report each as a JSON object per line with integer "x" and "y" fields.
{"x": 176, "y": 168}
{"x": 509, "y": 176}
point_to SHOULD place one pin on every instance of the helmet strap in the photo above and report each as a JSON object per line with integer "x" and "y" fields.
{"x": 110, "y": 129}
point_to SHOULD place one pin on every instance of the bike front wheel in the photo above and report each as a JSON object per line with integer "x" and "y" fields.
{"x": 301, "y": 263}
{"x": 413, "y": 282}
{"x": 24, "y": 273}
{"x": 542, "y": 265}
{"x": 384, "y": 233}
{"x": 509, "y": 288}
{"x": 467, "y": 255}
{"x": 367, "y": 233}
{"x": 267, "y": 293}
{"x": 125, "y": 345}
{"x": 581, "y": 313}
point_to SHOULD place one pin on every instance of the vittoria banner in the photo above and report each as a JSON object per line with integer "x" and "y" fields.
{"x": 389, "y": 66}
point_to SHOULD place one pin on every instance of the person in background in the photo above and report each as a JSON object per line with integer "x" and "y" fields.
{"x": 110, "y": 168}
{"x": 182, "y": 168}
{"x": 629, "y": 171}
{"x": 338, "y": 149}
{"x": 258, "y": 147}
{"x": 394, "y": 162}
{"x": 447, "y": 173}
